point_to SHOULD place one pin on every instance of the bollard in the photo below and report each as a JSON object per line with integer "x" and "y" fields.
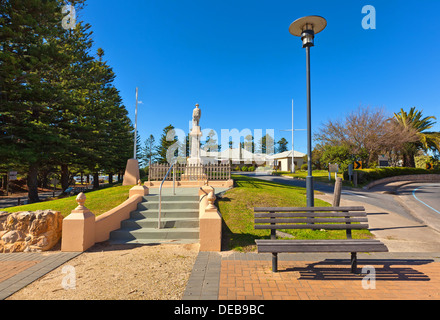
{"x": 337, "y": 192}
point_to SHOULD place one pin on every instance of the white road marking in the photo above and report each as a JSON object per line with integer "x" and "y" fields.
{"x": 353, "y": 194}
{"x": 414, "y": 195}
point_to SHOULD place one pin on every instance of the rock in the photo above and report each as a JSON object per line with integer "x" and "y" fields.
{"x": 30, "y": 231}
{"x": 13, "y": 236}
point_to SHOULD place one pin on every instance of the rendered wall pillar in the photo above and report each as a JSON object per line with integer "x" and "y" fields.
{"x": 78, "y": 228}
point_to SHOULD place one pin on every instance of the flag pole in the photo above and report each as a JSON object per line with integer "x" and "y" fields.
{"x": 135, "y": 126}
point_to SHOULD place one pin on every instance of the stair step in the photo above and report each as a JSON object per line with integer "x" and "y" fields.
{"x": 165, "y": 213}
{"x": 151, "y": 233}
{"x": 154, "y": 241}
{"x": 169, "y": 205}
{"x": 170, "y": 198}
{"x": 152, "y": 222}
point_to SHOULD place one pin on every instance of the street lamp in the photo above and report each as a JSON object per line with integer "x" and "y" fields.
{"x": 306, "y": 28}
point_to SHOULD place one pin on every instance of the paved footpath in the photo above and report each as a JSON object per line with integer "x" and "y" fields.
{"x": 17, "y": 270}
{"x": 248, "y": 276}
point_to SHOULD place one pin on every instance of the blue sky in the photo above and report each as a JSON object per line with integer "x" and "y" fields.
{"x": 240, "y": 63}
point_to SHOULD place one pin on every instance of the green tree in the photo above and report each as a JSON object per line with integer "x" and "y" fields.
{"x": 426, "y": 140}
{"x": 166, "y": 142}
{"x": 149, "y": 151}
{"x": 267, "y": 144}
{"x": 31, "y": 89}
{"x": 282, "y": 145}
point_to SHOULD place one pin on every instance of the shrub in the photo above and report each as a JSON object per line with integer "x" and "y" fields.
{"x": 244, "y": 168}
{"x": 369, "y": 175}
{"x": 304, "y": 167}
{"x": 251, "y": 168}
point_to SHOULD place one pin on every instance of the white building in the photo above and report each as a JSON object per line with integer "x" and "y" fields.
{"x": 236, "y": 156}
{"x": 284, "y": 160}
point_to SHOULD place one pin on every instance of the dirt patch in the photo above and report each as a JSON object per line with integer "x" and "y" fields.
{"x": 118, "y": 272}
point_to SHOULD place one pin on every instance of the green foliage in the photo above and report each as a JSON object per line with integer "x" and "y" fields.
{"x": 368, "y": 175}
{"x": 337, "y": 154}
{"x": 59, "y": 107}
{"x": 282, "y": 145}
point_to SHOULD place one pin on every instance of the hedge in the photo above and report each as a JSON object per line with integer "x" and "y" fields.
{"x": 368, "y": 175}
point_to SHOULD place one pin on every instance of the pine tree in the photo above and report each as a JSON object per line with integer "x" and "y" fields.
{"x": 165, "y": 144}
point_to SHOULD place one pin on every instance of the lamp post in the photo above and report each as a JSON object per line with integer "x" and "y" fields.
{"x": 306, "y": 28}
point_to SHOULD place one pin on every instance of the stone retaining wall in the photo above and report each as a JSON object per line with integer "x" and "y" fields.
{"x": 29, "y": 231}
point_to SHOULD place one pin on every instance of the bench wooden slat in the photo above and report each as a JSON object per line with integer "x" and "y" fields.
{"x": 320, "y": 246}
{"x": 313, "y": 226}
{"x": 310, "y": 220}
{"x": 307, "y": 209}
{"x": 309, "y": 214}
{"x": 313, "y": 242}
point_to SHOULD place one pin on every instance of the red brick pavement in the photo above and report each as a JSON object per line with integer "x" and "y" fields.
{"x": 300, "y": 280}
{"x": 11, "y": 268}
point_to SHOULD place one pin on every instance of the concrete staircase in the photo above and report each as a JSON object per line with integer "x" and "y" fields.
{"x": 179, "y": 221}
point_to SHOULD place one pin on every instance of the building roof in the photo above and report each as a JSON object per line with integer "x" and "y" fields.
{"x": 288, "y": 154}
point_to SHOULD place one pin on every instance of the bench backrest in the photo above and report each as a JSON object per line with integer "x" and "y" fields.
{"x": 316, "y": 218}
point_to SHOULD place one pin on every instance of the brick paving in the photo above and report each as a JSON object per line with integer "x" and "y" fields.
{"x": 398, "y": 276}
{"x": 17, "y": 270}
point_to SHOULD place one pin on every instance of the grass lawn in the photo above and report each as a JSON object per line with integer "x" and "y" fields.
{"x": 236, "y": 207}
{"x": 318, "y": 175}
{"x": 98, "y": 202}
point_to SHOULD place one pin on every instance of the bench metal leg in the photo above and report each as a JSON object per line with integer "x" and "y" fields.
{"x": 274, "y": 262}
{"x": 353, "y": 262}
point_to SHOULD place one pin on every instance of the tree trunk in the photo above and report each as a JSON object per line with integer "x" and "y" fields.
{"x": 64, "y": 177}
{"x": 110, "y": 178}
{"x": 32, "y": 183}
{"x": 409, "y": 161}
{"x": 96, "y": 180}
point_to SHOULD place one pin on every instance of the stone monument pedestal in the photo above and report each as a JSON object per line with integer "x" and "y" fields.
{"x": 132, "y": 174}
{"x": 194, "y": 168}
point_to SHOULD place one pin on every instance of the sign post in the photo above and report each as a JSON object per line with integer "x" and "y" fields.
{"x": 12, "y": 176}
{"x": 350, "y": 171}
{"x": 333, "y": 168}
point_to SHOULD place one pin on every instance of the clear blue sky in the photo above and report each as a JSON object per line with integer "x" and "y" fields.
{"x": 237, "y": 59}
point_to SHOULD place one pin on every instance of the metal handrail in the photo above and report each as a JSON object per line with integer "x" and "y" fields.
{"x": 160, "y": 191}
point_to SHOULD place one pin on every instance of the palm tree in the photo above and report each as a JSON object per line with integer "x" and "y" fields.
{"x": 426, "y": 140}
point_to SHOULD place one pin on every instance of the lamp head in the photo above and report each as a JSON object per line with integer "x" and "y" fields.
{"x": 306, "y": 28}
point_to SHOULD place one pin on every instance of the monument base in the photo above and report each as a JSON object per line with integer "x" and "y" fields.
{"x": 132, "y": 174}
{"x": 194, "y": 172}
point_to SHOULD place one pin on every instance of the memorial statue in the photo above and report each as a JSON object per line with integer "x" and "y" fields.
{"x": 197, "y": 113}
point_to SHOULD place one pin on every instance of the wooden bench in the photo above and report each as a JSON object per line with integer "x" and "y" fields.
{"x": 316, "y": 218}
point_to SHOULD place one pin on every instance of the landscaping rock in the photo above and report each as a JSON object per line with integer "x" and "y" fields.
{"x": 30, "y": 231}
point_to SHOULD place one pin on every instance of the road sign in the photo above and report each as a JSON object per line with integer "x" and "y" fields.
{"x": 12, "y": 175}
{"x": 383, "y": 160}
{"x": 358, "y": 165}
{"x": 429, "y": 166}
{"x": 332, "y": 168}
